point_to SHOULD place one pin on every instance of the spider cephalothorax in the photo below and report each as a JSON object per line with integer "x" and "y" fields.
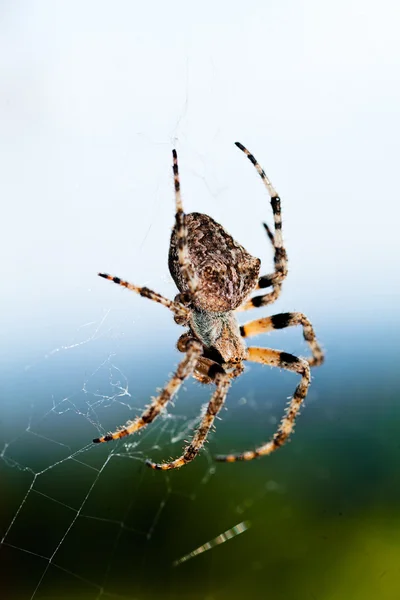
{"x": 215, "y": 276}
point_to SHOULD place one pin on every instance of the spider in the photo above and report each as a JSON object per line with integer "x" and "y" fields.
{"x": 215, "y": 277}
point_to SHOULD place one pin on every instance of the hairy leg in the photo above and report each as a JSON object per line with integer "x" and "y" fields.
{"x": 282, "y": 360}
{"x": 180, "y": 311}
{"x": 276, "y": 278}
{"x": 181, "y": 231}
{"x": 281, "y": 321}
{"x": 222, "y": 381}
{"x": 185, "y": 368}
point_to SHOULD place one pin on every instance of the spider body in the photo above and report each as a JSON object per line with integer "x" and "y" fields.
{"x": 226, "y": 275}
{"x": 226, "y": 272}
{"x": 215, "y": 277}
{"x": 219, "y": 333}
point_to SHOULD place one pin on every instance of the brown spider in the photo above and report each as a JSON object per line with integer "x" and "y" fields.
{"x": 215, "y": 276}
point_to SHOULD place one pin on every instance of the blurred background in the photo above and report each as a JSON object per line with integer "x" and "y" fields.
{"x": 93, "y": 97}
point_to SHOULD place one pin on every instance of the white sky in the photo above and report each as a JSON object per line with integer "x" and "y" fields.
{"x": 93, "y": 96}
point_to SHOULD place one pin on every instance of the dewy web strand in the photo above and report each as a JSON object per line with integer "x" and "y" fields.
{"x": 86, "y": 404}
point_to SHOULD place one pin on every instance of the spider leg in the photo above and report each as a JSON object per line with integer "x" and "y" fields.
{"x": 222, "y": 381}
{"x": 181, "y": 231}
{"x": 181, "y": 312}
{"x": 185, "y": 368}
{"x": 282, "y": 360}
{"x": 281, "y": 321}
{"x": 276, "y": 278}
{"x": 269, "y": 234}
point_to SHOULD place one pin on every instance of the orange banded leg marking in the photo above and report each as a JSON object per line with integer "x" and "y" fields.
{"x": 184, "y": 370}
{"x": 276, "y": 278}
{"x": 181, "y": 231}
{"x": 191, "y": 451}
{"x": 283, "y": 360}
{"x": 180, "y": 311}
{"x": 281, "y": 321}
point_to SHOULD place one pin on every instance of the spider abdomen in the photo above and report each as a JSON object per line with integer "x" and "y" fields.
{"x": 226, "y": 272}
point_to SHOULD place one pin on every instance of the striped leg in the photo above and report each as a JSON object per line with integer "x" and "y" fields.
{"x": 276, "y": 278}
{"x": 281, "y": 321}
{"x": 283, "y": 360}
{"x": 185, "y": 368}
{"x": 181, "y": 312}
{"x": 181, "y": 231}
{"x": 191, "y": 451}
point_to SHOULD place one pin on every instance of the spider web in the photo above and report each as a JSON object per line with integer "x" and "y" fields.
{"x": 88, "y": 521}
{"x": 73, "y": 509}
{"x": 88, "y": 113}
{"x": 92, "y": 522}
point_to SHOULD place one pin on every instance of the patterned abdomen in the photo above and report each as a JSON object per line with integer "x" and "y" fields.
{"x": 227, "y": 273}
